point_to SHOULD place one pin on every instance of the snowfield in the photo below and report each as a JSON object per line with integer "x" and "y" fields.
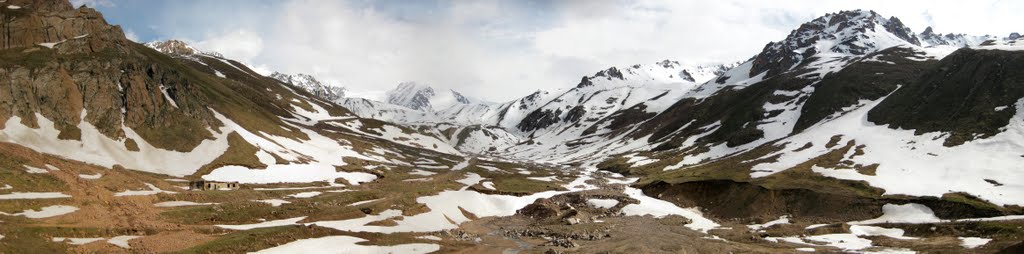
{"x": 96, "y": 148}
{"x": 292, "y": 173}
{"x": 347, "y": 244}
{"x": 901, "y": 155}
{"x": 153, "y": 190}
{"x": 33, "y": 195}
{"x": 45, "y": 212}
{"x": 265, "y": 224}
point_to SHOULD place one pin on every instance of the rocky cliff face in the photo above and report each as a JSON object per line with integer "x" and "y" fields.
{"x": 41, "y": 22}
{"x": 68, "y": 65}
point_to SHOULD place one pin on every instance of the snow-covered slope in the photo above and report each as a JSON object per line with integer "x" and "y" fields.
{"x": 802, "y": 106}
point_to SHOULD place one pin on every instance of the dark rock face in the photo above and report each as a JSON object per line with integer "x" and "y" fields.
{"x": 622, "y": 119}
{"x": 584, "y": 82}
{"x": 539, "y": 119}
{"x": 575, "y": 114}
{"x": 895, "y": 26}
{"x": 685, "y": 75}
{"x": 610, "y": 73}
{"x": 969, "y": 92}
{"x": 460, "y": 98}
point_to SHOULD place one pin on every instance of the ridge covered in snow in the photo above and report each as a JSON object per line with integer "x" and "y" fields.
{"x": 930, "y": 38}
{"x": 179, "y": 48}
{"x": 312, "y": 85}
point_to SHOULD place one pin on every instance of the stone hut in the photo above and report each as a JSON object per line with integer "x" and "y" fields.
{"x": 212, "y": 185}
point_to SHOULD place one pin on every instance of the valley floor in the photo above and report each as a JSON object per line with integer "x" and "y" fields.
{"x": 477, "y": 206}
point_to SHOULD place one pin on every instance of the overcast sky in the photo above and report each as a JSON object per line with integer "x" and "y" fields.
{"x": 501, "y": 50}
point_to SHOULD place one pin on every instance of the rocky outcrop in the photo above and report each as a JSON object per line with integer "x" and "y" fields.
{"x": 43, "y": 21}
{"x": 539, "y": 119}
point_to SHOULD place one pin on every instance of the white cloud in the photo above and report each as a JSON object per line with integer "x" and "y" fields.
{"x": 501, "y": 50}
{"x": 128, "y": 33}
{"x": 240, "y": 45}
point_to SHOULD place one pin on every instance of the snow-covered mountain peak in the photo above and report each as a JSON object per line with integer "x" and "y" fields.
{"x": 425, "y": 98}
{"x": 663, "y": 72}
{"x": 930, "y": 38}
{"x": 180, "y": 48}
{"x": 846, "y": 33}
{"x": 312, "y": 85}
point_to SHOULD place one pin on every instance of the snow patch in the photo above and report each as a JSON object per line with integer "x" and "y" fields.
{"x": 45, "y": 212}
{"x": 180, "y": 203}
{"x": 973, "y": 242}
{"x": 847, "y": 242}
{"x": 290, "y": 173}
{"x": 364, "y": 202}
{"x": 470, "y": 180}
{"x": 879, "y": 231}
{"x": 347, "y": 244}
{"x": 96, "y": 148}
{"x": 274, "y": 202}
{"x": 76, "y": 241}
{"x": 308, "y": 194}
{"x": 153, "y": 190}
{"x": 488, "y": 185}
{"x": 35, "y": 170}
{"x": 544, "y": 179}
{"x": 122, "y": 241}
{"x": 265, "y": 224}
{"x": 33, "y": 195}
{"x": 906, "y": 213}
{"x": 602, "y": 203}
{"x": 421, "y": 172}
{"x": 781, "y": 220}
{"x": 660, "y": 208}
